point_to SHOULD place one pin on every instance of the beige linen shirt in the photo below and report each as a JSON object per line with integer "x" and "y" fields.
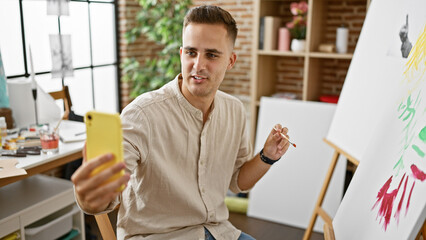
{"x": 180, "y": 169}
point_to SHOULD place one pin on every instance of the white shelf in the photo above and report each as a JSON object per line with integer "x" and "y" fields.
{"x": 32, "y": 199}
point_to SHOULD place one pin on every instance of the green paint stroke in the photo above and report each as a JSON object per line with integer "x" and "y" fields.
{"x": 399, "y": 166}
{"x": 401, "y": 106}
{"x": 418, "y": 151}
{"x": 422, "y": 134}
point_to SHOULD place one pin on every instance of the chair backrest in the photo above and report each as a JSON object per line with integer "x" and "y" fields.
{"x": 105, "y": 227}
{"x": 65, "y": 96}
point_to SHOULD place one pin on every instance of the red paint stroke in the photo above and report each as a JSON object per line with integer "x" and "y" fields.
{"x": 418, "y": 174}
{"x": 386, "y": 202}
{"x": 398, "y": 210}
{"x": 409, "y": 198}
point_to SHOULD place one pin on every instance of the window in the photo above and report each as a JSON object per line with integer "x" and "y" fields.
{"x": 92, "y": 27}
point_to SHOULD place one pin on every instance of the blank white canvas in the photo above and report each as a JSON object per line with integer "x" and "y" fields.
{"x": 22, "y": 104}
{"x": 370, "y": 80}
{"x": 393, "y": 164}
{"x": 288, "y": 192}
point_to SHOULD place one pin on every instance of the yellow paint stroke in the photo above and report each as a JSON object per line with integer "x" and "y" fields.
{"x": 416, "y": 64}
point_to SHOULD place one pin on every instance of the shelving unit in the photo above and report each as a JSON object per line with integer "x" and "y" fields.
{"x": 311, "y": 73}
{"x": 32, "y": 199}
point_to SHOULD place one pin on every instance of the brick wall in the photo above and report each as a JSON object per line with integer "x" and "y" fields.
{"x": 237, "y": 80}
{"x": 140, "y": 49}
{"x": 352, "y": 14}
{"x": 290, "y": 75}
{"x": 332, "y": 71}
{"x": 290, "y": 70}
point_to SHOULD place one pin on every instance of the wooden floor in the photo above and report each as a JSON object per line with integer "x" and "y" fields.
{"x": 257, "y": 228}
{"x": 265, "y": 230}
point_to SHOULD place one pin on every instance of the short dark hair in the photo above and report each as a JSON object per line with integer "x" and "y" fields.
{"x": 212, "y": 15}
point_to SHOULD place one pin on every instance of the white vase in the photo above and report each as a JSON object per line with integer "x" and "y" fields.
{"x": 298, "y": 45}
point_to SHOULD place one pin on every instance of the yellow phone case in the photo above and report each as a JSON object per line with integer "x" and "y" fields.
{"x": 104, "y": 135}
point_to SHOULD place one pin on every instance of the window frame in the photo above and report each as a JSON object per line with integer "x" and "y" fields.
{"x": 91, "y": 66}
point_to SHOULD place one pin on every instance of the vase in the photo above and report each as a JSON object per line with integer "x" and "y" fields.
{"x": 298, "y": 45}
{"x": 342, "y": 34}
{"x": 284, "y": 39}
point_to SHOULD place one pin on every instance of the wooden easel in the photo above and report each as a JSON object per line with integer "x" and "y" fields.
{"x": 329, "y": 232}
{"x": 318, "y": 210}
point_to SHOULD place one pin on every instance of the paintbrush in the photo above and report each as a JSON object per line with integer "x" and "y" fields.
{"x": 57, "y": 125}
{"x": 284, "y": 136}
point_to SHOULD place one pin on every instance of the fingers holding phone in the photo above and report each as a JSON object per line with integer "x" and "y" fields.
{"x": 94, "y": 192}
{"x": 102, "y": 176}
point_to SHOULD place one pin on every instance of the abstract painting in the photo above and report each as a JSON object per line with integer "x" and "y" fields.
{"x": 386, "y": 198}
{"x": 60, "y": 49}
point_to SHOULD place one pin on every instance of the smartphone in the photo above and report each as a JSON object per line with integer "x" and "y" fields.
{"x": 104, "y": 135}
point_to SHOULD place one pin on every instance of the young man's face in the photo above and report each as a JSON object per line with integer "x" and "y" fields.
{"x": 206, "y": 54}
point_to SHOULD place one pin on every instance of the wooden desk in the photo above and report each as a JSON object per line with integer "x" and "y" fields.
{"x": 37, "y": 164}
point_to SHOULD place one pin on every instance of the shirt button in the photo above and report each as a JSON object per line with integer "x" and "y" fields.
{"x": 202, "y": 190}
{"x": 201, "y": 163}
{"x": 211, "y": 215}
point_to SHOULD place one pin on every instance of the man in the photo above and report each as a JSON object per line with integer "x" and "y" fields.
{"x": 185, "y": 145}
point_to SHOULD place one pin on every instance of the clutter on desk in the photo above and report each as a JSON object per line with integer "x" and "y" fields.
{"x": 7, "y": 114}
{"x": 27, "y": 140}
{"x": 27, "y": 137}
{"x": 3, "y": 127}
{"x": 21, "y": 152}
{"x": 49, "y": 138}
{"x": 17, "y": 155}
{"x": 21, "y": 141}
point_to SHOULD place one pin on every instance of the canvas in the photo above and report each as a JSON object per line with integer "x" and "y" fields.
{"x": 386, "y": 197}
{"x": 57, "y": 7}
{"x": 61, "y": 52}
{"x": 373, "y": 74}
{"x": 290, "y": 188}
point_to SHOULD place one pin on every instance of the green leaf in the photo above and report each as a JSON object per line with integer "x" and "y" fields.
{"x": 160, "y": 21}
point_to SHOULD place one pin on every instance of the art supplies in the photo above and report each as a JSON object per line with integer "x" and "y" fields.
{"x": 284, "y": 136}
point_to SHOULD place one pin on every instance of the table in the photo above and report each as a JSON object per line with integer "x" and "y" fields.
{"x": 68, "y": 152}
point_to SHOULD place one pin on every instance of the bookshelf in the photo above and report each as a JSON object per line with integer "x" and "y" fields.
{"x": 311, "y": 73}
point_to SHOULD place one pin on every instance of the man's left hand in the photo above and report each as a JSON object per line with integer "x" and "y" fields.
{"x": 276, "y": 145}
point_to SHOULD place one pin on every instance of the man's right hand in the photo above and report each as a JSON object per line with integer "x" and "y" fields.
{"x": 92, "y": 194}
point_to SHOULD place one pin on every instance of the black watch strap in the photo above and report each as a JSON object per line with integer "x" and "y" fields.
{"x": 266, "y": 159}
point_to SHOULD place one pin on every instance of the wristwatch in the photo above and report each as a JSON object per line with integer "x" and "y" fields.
{"x": 266, "y": 159}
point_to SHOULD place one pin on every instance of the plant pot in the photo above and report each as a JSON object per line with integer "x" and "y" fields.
{"x": 298, "y": 45}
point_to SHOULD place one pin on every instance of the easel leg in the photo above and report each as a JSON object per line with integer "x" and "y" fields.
{"x": 317, "y": 208}
{"x": 328, "y": 232}
{"x": 422, "y": 233}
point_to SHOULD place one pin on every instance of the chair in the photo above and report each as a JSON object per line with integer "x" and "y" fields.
{"x": 105, "y": 227}
{"x": 65, "y": 96}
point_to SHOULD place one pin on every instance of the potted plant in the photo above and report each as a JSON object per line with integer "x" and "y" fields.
{"x": 297, "y": 26}
{"x": 161, "y": 21}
